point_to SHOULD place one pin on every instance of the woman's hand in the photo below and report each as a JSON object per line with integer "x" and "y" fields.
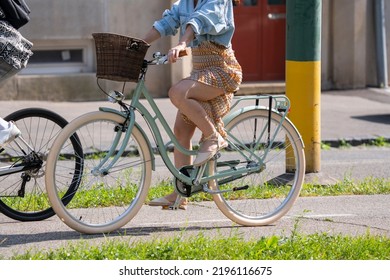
{"x": 187, "y": 37}
{"x": 174, "y": 53}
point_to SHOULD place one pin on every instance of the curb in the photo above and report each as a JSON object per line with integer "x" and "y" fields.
{"x": 356, "y": 142}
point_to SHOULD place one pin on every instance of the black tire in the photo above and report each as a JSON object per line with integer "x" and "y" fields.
{"x": 39, "y": 129}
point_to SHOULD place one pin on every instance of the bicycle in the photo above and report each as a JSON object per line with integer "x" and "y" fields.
{"x": 254, "y": 181}
{"x": 22, "y": 164}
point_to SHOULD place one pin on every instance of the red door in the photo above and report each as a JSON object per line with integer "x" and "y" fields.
{"x": 259, "y": 39}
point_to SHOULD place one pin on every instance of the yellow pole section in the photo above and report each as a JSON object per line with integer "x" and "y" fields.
{"x": 303, "y": 87}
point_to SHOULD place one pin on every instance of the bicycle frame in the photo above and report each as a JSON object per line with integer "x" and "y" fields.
{"x": 281, "y": 104}
{"x": 19, "y": 167}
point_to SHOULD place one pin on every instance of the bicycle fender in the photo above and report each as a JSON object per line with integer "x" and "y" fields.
{"x": 110, "y": 110}
{"x": 232, "y": 114}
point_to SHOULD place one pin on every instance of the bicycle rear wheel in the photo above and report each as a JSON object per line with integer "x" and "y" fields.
{"x": 268, "y": 194}
{"x": 23, "y": 194}
{"x": 107, "y": 197}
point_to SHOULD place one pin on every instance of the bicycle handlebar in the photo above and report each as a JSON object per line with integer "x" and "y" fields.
{"x": 159, "y": 58}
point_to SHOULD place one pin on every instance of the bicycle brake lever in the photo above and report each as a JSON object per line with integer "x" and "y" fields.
{"x": 163, "y": 60}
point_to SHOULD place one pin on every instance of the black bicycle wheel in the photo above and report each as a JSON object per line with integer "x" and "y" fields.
{"x": 22, "y": 192}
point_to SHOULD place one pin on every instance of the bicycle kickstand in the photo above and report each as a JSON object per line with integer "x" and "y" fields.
{"x": 176, "y": 204}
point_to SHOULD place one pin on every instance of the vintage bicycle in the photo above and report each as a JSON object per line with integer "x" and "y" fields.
{"x": 254, "y": 181}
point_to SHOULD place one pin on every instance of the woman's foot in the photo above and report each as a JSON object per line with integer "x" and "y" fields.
{"x": 168, "y": 201}
{"x": 209, "y": 147}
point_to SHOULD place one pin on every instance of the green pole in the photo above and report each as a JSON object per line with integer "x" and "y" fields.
{"x": 303, "y": 74}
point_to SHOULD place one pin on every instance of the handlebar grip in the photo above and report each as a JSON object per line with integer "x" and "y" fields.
{"x": 184, "y": 52}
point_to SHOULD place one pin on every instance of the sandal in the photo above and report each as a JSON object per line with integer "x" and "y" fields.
{"x": 209, "y": 147}
{"x": 166, "y": 203}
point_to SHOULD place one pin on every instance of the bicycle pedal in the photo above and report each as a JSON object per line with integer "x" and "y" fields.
{"x": 171, "y": 207}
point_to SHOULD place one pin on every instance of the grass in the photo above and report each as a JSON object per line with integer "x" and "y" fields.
{"x": 319, "y": 246}
{"x": 368, "y": 186}
{"x": 343, "y": 143}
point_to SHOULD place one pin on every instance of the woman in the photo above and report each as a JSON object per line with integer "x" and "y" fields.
{"x": 207, "y": 26}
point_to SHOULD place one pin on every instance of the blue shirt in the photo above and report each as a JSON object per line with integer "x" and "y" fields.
{"x": 211, "y": 20}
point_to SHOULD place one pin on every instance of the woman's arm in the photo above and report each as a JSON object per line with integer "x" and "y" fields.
{"x": 167, "y": 25}
{"x": 152, "y": 36}
{"x": 210, "y": 18}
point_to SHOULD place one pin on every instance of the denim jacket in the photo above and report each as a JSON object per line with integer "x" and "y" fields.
{"x": 211, "y": 20}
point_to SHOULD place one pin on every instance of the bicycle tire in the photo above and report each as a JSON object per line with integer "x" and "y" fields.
{"x": 39, "y": 128}
{"x": 104, "y": 201}
{"x": 269, "y": 194}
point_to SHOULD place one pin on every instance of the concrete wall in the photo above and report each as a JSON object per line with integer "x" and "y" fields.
{"x": 349, "y": 42}
{"x": 348, "y": 46}
{"x": 55, "y": 22}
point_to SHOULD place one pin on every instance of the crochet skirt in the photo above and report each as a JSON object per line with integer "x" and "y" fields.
{"x": 216, "y": 66}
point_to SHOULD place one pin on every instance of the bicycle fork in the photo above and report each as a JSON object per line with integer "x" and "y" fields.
{"x": 101, "y": 169}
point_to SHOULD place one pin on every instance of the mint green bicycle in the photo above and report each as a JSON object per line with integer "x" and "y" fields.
{"x": 254, "y": 181}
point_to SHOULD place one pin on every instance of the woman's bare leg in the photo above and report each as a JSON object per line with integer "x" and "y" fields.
{"x": 184, "y": 133}
{"x": 185, "y": 96}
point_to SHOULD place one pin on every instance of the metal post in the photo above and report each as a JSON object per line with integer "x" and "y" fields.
{"x": 381, "y": 52}
{"x": 303, "y": 75}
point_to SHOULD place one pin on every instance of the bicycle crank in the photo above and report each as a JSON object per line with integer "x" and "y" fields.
{"x": 185, "y": 189}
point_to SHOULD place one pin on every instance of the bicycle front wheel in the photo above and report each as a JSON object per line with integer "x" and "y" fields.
{"x": 22, "y": 193}
{"x": 107, "y": 196}
{"x": 278, "y": 154}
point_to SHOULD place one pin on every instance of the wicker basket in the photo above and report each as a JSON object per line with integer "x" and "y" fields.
{"x": 119, "y": 58}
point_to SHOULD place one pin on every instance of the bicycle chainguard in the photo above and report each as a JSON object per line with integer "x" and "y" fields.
{"x": 184, "y": 189}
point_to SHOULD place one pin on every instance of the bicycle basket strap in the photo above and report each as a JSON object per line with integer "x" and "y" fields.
{"x": 118, "y": 57}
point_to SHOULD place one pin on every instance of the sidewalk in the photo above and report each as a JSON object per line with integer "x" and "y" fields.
{"x": 355, "y": 115}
